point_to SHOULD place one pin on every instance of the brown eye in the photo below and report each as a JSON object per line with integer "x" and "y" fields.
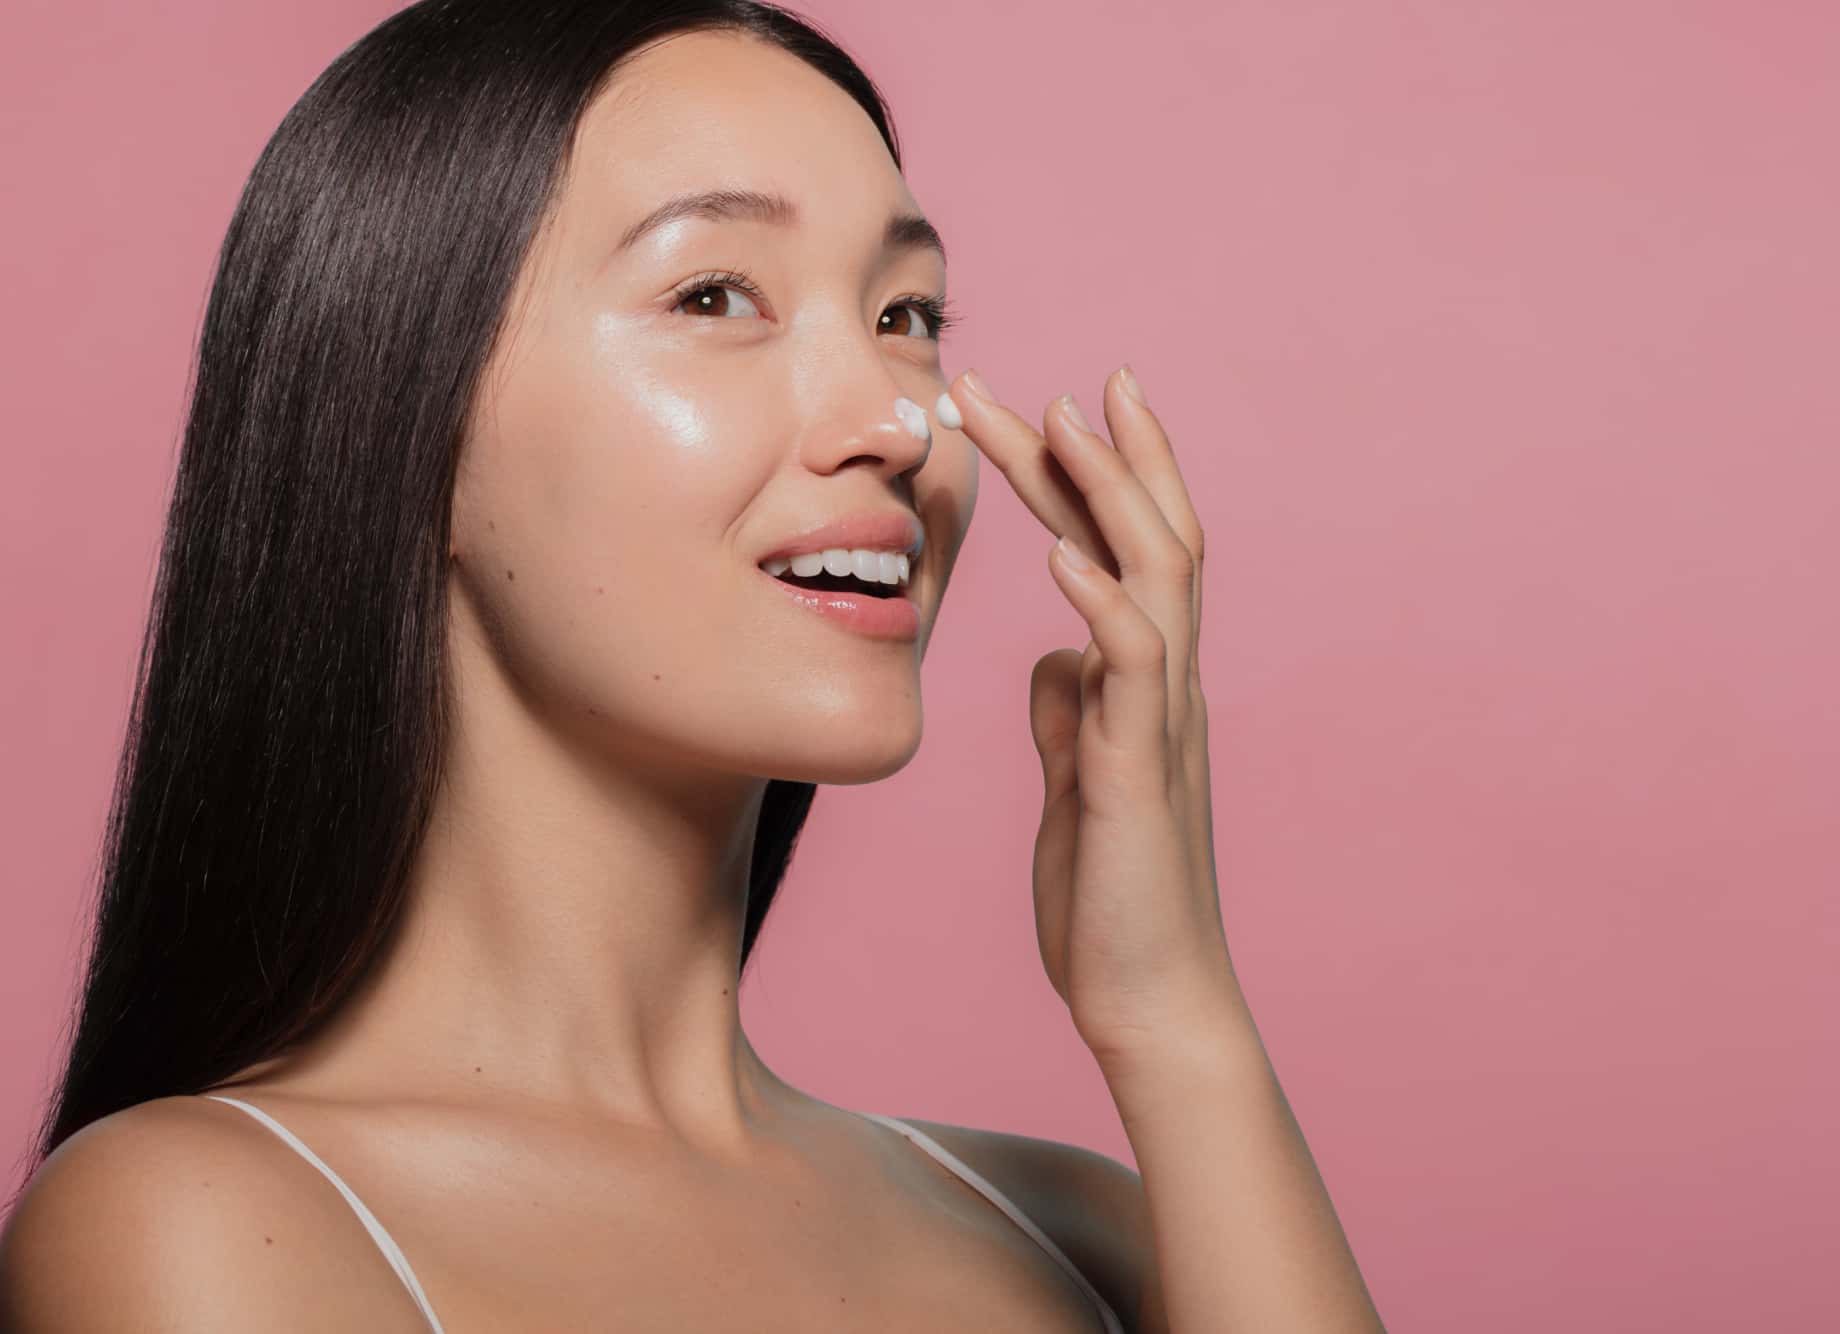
{"x": 716, "y": 299}
{"x": 914, "y": 316}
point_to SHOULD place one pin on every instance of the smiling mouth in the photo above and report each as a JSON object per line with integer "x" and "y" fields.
{"x": 826, "y": 582}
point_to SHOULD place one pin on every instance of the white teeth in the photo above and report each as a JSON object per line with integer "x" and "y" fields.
{"x": 874, "y": 567}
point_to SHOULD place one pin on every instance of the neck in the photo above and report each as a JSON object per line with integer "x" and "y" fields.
{"x": 572, "y": 937}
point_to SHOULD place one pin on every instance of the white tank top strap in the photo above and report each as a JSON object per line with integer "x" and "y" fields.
{"x": 379, "y": 1234}
{"x": 963, "y": 1169}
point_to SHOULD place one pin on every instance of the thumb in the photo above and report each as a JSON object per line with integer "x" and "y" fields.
{"x": 1054, "y": 718}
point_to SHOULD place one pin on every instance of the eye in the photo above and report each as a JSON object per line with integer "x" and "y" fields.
{"x": 713, "y": 294}
{"x": 936, "y": 309}
{"x": 698, "y": 293}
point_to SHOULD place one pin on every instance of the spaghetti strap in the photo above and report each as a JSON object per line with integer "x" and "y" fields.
{"x": 957, "y": 1165}
{"x": 385, "y": 1242}
{"x": 400, "y": 1263}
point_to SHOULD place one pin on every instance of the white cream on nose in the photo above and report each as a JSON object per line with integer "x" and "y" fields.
{"x": 913, "y": 417}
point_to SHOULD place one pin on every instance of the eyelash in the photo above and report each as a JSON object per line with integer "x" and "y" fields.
{"x": 940, "y": 313}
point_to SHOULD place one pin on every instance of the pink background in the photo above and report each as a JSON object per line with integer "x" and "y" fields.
{"x": 1498, "y": 344}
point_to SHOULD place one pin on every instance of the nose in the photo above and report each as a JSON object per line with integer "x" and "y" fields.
{"x": 881, "y": 424}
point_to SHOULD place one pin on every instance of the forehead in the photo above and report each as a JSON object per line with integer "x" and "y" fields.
{"x": 711, "y": 109}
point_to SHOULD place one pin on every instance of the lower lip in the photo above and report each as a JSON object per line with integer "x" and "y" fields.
{"x": 880, "y": 618}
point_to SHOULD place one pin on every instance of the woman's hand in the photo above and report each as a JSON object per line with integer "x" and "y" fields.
{"x": 1127, "y": 908}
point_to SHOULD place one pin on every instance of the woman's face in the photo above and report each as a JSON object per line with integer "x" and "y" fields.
{"x": 636, "y": 451}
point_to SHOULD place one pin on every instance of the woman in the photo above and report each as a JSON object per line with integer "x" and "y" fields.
{"x": 484, "y": 699}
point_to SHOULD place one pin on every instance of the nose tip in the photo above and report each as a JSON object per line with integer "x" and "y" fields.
{"x": 913, "y": 417}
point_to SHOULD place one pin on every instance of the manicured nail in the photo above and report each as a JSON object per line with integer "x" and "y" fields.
{"x": 1073, "y": 412}
{"x": 1128, "y": 378}
{"x": 1075, "y": 558}
{"x": 947, "y": 413}
{"x": 975, "y": 383}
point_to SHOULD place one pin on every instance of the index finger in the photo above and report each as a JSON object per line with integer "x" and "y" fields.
{"x": 1021, "y": 454}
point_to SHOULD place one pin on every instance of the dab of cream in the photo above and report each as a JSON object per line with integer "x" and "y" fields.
{"x": 947, "y": 412}
{"x": 913, "y": 417}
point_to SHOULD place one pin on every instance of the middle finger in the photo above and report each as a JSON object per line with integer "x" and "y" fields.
{"x": 1156, "y": 567}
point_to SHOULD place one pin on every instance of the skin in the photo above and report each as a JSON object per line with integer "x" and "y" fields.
{"x": 561, "y": 1006}
{"x": 578, "y": 906}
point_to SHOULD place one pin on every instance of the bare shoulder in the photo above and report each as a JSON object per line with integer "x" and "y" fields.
{"x": 173, "y": 1210}
{"x": 1091, "y": 1205}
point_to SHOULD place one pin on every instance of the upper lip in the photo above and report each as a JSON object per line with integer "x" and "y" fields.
{"x": 873, "y": 530}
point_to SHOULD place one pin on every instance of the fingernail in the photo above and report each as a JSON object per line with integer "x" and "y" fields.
{"x": 1074, "y": 414}
{"x": 1074, "y": 557}
{"x": 1128, "y": 378}
{"x": 975, "y": 383}
{"x": 947, "y": 413}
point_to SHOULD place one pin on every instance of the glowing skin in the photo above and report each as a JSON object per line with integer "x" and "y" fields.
{"x": 625, "y": 680}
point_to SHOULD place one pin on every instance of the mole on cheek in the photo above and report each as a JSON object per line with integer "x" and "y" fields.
{"x": 510, "y": 576}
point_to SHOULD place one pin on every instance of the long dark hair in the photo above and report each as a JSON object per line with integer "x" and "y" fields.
{"x": 291, "y": 702}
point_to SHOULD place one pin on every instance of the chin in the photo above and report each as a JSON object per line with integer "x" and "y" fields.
{"x": 843, "y": 756}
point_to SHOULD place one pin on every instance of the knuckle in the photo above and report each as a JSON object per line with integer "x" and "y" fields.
{"x": 1148, "y": 645}
{"x": 1193, "y": 538}
{"x": 1174, "y": 561}
{"x": 1197, "y": 703}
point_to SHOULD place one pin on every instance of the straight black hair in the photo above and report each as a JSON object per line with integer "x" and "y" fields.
{"x": 291, "y": 702}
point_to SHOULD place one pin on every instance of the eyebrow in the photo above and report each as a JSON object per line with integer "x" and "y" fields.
{"x": 903, "y": 231}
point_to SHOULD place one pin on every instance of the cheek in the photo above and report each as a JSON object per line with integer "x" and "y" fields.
{"x": 973, "y": 473}
{"x": 947, "y": 489}
{"x": 612, "y": 452}
{"x": 609, "y": 485}
{"x": 606, "y": 568}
